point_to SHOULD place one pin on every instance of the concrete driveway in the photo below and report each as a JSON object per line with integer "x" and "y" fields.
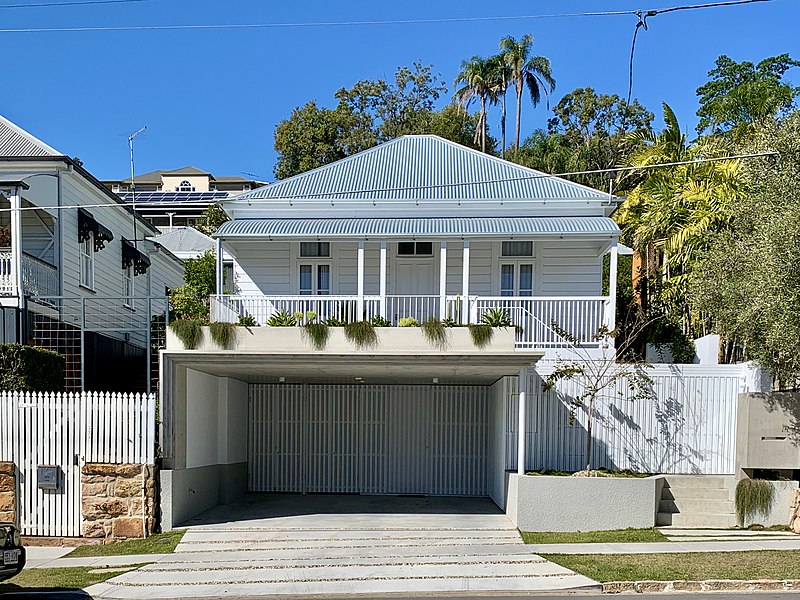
{"x": 325, "y": 544}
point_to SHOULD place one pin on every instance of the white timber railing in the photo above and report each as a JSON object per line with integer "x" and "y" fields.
{"x": 39, "y": 278}
{"x": 533, "y": 317}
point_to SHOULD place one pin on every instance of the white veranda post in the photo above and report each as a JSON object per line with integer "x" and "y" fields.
{"x": 443, "y": 280}
{"x": 612, "y": 286}
{"x": 360, "y": 289}
{"x": 383, "y": 279}
{"x": 16, "y": 242}
{"x": 220, "y": 269}
{"x": 523, "y": 392}
{"x": 465, "y": 284}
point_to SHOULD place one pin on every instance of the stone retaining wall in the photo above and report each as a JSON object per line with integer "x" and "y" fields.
{"x": 114, "y": 505}
{"x": 8, "y": 492}
{"x": 794, "y": 520}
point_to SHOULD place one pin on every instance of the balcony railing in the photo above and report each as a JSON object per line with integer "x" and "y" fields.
{"x": 582, "y": 317}
{"x": 38, "y": 277}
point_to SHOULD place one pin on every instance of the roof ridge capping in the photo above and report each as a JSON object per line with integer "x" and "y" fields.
{"x": 420, "y": 166}
{"x": 25, "y": 145}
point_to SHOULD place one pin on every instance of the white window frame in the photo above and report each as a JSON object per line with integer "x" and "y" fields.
{"x": 416, "y": 253}
{"x": 128, "y": 287}
{"x": 185, "y": 186}
{"x": 516, "y": 262}
{"x": 314, "y": 265}
{"x": 87, "y": 262}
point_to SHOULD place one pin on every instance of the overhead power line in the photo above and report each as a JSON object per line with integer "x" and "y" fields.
{"x": 421, "y": 187}
{"x": 77, "y": 3}
{"x": 379, "y": 22}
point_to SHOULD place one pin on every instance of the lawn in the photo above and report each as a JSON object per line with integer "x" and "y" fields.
{"x": 161, "y": 543}
{"x": 692, "y": 566}
{"x": 616, "y": 536}
{"x": 67, "y": 578}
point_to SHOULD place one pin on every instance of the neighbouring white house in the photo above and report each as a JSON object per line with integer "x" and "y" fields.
{"x": 416, "y": 227}
{"x": 77, "y": 274}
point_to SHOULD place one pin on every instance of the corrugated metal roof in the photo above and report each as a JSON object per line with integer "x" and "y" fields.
{"x": 184, "y": 240}
{"x": 15, "y": 141}
{"x": 423, "y": 167}
{"x": 430, "y": 227}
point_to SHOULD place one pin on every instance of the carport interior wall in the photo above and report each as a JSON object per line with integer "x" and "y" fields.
{"x": 374, "y": 439}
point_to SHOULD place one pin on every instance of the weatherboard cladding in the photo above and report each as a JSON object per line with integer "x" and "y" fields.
{"x": 423, "y": 166}
{"x": 430, "y": 227}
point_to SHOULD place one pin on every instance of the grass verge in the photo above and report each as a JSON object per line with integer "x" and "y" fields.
{"x": 48, "y": 580}
{"x": 161, "y": 543}
{"x": 616, "y": 536}
{"x": 692, "y": 566}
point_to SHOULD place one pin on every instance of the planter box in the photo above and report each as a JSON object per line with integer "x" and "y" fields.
{"x": 546, "y": 503}
{"x": 391, "y": 340}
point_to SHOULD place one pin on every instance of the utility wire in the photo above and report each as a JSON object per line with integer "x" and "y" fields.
{"x": 361, "y": 23}
{"x": 642, "y": 16}
{"x": 78, "y": 3}
{"x": 421, "y": 187}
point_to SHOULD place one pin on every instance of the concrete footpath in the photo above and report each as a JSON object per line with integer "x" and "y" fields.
{"x": 42, "y": 557}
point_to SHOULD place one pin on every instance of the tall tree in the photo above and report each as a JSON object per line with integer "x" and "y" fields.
{"x": 739, "y": 95}
{"x": 476, "y": 83}
{"x": 527, "y": 72}
{"x": 500, "y": 77}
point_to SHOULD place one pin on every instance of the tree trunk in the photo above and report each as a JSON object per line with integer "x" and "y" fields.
{"x": 503, "y": 126}
{"x": 518, "y": 84}
{"x": 483, "y": 123}
{"x": 589, "y": 437}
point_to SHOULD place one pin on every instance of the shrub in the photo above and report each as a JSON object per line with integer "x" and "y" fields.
{"x": 188, "y": 331}
{"x": 362, "y": 334}
{"x": 311, "y": 316}
{"x": 317, "y": 335}
{"x": 408, "y": 322}
{"x": 223, "y": 334}
{"x": 248, "y": 321}
{"x": 481, "y": 335}
{"x": 282, "y": 319}
{"x": 334, "y": 322}
{"x": 435, "y": 332}
{"x": 188, "y": 304}
{"x": 31, "y": 369}
{"x": 496, "y": 317}
{"x": 379, "y": 321}
{"x": 753, "y": 496}
{"x": 299, "y": 316}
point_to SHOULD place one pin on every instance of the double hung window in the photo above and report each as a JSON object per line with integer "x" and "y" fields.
{"x": 314, "y": 268}
{"x": 516, "y": 269}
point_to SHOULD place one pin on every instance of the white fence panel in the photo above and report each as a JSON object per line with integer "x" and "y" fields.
{"x": 67, "y": 430}
{"x": 689, "y": 427}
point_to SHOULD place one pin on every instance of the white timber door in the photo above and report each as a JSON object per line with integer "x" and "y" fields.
{"x": 370, "y": 439}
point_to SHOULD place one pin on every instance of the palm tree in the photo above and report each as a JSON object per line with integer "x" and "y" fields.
{"x": 532, "y": 72}
{"x": 475, "y": 81}
{"x": 500, "y": 77}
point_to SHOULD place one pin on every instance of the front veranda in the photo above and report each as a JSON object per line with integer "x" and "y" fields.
{"x": 431, "y": 424}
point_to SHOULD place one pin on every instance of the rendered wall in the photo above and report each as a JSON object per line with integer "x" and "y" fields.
{"x": 496, "y": 454}
{"x": 543, "y": 503}
{"x": 768, "y": 431}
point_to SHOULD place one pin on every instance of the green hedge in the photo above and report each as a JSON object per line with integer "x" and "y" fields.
{"x": 31, "y": 369}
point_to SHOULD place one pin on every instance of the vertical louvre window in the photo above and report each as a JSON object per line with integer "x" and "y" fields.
{"x": 315, "y": 249}
{"x": 87, "y": 261}
{"x": 315, "y": 279}
{"x": 127, "y": 286}
{"x": 517, "y": 248}
{"x": 516, "y": 279}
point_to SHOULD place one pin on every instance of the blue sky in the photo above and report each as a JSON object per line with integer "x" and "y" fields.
{"x": 212, "y": 98}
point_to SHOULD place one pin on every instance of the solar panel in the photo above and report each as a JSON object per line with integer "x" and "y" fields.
{"x": 151, "y": 197}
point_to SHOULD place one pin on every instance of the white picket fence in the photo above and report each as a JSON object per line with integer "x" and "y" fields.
{"x": 67, "y": 430}
{"x": 689, "y": 426}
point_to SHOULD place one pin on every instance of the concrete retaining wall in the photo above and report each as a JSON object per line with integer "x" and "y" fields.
{"x": 781, "y": 511}
{"x": 544, "y": 503}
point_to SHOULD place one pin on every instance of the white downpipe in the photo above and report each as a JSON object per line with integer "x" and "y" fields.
{"x": 612, "y": 287}
{"x": 465, "y": 315}
{"x": 16, "y": 245}
{"x": 443, "y": 280}
{"x": 523, "y": 388}
{"x": 383, "y": 279}
{"x": 360, "y": 301}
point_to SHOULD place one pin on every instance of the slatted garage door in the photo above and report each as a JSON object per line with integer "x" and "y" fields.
{"x": 372, "y": 439}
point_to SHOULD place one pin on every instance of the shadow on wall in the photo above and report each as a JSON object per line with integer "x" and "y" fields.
{"x": 789, "y": 404}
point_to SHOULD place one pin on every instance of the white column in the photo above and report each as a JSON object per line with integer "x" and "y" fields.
{"x": 611, "y": 318}
{"x": 465, "y": 283}
{"x": 521, "y": 425}
{"x": 220, "y": 269}
{"x": 360, "y": 302}
{"x": 443, "y": 280}
{"x": 16, "y": 244}
{"x": 383, "y": 279}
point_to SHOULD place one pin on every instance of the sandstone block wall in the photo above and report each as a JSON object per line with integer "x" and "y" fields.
{"x": 794, "y": 521}
{"x": 113, "y": 503}
{"x": 8, "y": 492}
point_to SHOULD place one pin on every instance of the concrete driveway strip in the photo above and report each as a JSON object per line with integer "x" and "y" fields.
{"x": 319, "y": 551}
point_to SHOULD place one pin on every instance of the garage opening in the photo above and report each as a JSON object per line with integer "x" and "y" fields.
{"x": 369, "y": 439}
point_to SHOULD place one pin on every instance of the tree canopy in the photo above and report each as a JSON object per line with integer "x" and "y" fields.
{"x": 742, "y": 94}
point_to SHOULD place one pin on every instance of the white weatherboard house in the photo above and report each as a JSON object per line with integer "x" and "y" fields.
{"x": 417, "y": 227}
{"x": 76, "y": 274}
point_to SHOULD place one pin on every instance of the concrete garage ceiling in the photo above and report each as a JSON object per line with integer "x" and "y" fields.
{"x": 397, "y": 369}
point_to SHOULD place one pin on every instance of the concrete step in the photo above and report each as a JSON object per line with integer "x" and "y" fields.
{"x": 195, "y": 536}
{"x": 696, "y": 520}
{"x": 692, "y": 506}
{"x": 695, "y": 494}
{"x": 698, "y": 481}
